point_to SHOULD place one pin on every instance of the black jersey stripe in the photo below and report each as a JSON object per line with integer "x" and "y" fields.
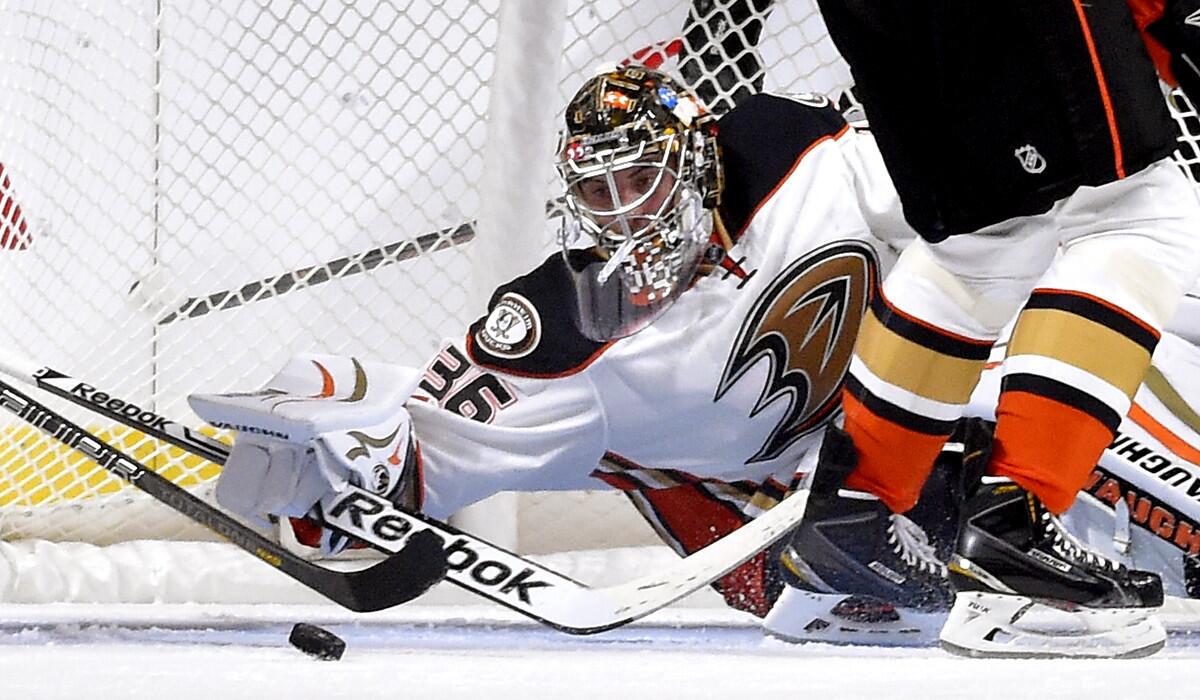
{"x": 762, "y": 140}
{"x": 891, "y": 412}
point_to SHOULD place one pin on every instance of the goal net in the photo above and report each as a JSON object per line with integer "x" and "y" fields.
{"x": 192, "y": 192}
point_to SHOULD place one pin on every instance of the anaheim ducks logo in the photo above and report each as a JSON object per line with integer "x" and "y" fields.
{"x": 804, "y": 324}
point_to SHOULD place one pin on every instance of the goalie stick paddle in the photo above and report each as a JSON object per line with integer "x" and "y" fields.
{"x": 513, "y": 581}
{"x": 408, "y": 573}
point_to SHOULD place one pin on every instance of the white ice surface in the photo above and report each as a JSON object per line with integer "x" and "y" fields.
{"x": 179, "y": 652}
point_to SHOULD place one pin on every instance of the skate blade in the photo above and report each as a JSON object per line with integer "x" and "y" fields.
{"x": 990, "y": 625}
{"x": 836, "y": 618}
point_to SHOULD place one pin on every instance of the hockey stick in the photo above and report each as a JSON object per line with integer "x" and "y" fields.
{"x": 415, "y": 567}
{"x": 508, "y": 579}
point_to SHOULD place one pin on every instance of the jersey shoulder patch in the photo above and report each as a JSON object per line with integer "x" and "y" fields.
{"x": 530, "y": 330}
{"x": 761, "y": 140}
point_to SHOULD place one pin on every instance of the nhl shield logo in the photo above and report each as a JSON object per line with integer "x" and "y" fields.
{"x": 1031, "y": 161}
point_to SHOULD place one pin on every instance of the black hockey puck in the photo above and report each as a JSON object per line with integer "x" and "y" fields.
{"x": 316, "y": 642}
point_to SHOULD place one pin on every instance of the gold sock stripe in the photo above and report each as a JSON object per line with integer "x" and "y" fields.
{"x": 1097, "y": 349}
{"x": 917, "y": 369}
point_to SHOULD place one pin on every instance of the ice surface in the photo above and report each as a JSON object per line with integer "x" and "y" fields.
{"x": 179, "y": 652}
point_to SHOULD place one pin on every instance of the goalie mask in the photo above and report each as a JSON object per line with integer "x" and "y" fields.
{"x": 639, "y": 161}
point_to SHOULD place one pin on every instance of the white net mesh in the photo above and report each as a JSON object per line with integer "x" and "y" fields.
{"x": 192, "y": 192}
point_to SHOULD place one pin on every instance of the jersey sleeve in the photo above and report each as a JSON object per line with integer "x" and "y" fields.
{"x": 761, "y": 142}
{"x": 511, "y": 407}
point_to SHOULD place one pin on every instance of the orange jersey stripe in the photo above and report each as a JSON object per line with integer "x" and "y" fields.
{"x": 1110, "y": 115}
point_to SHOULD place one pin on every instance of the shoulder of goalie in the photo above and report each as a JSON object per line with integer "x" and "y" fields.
{"x": 324, "y": 423}
{"x": 1178, "y": 30}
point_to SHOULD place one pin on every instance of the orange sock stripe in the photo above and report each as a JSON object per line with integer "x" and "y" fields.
{"x": 1046, "y": 446}
{"x": 1102, "y": 86}
{"x": 1061, "y": 394}
{"x": 893, "y": 461}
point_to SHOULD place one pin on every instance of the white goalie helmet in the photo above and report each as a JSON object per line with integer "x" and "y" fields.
{"x": 639, "y": 162}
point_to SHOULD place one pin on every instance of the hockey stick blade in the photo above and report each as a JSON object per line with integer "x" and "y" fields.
{"x": 415, "y": 566}
{"x": 513, "y": 581}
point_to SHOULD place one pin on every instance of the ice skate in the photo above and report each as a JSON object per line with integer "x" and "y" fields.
{"x": 855, "y": 572}
{"x": 1027, "y": 587}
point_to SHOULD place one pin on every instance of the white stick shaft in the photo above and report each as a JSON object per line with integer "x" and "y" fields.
{"x": 17, "y": 366}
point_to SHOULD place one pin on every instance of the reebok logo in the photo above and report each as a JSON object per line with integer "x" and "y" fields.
{"x": 374, "y": 519}
{"x": 114, "y": 407}
{"x": 1193, "y": 18}
{"x": 495, "y": 574}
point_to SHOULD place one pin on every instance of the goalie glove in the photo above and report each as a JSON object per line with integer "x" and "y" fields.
{"x": 322, "y": 423}
{"x": 1178, "y": 30}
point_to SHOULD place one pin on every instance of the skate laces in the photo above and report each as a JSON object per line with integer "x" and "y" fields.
{"x": 1071, "y": 547}
{"x": 911, "y": 544}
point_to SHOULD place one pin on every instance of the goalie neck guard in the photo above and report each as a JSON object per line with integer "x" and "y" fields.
{"x": 639, "y": 162}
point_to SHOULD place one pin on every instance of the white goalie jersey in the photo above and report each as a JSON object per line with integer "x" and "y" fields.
{"x": 705, "y": 416}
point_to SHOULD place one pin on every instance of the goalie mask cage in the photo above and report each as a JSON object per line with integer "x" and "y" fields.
{"x": 191, "y": 192}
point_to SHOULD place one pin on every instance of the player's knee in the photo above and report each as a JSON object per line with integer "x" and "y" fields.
{"x": 972, "y": 305}
{"x": 1145, "y": 275}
